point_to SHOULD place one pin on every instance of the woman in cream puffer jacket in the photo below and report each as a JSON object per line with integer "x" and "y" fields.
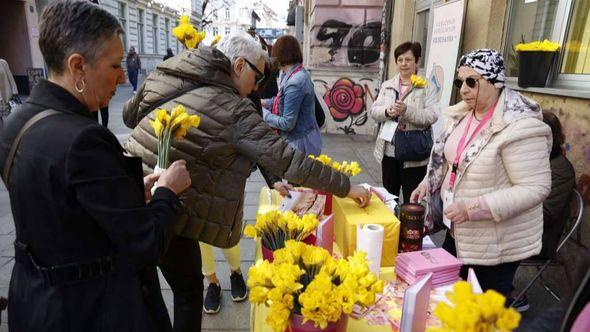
{"x": 494, "y": 206}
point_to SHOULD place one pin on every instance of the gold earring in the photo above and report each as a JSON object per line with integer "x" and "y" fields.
{"x": 80, "y": 90}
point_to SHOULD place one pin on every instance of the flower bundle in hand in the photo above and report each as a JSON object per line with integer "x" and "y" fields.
{"x": 474, "y": 312}
{"x": 168, "y": 126}
{"x": 348, "y": 168}
{"x": 274, "y": 228}
{"x": 187, "y": 34}
{"x": 308, "y": 281}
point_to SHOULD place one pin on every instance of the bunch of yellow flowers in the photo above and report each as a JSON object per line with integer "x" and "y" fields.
{"x": 187, "y": 34}
{"x": 307, "y": 280}
{"x": 418, "y": 82}
{"x": 350, "y": 169}
{"x": 474, "y": 312}
{"x": 275, "y": 227}
{"x": 543, "y": 46}
{"x": 171, "y": 125}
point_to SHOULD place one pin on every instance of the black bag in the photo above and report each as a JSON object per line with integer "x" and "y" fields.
{"x": 413, "y": 145}
{"x": 320, "y": 117}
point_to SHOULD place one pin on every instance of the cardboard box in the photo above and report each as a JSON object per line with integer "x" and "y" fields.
{"x": 348, "y": 215}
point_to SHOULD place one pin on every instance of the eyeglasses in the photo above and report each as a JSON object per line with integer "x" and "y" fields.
{"x": 259, "y": 75}
{"x": 470, "y": 81}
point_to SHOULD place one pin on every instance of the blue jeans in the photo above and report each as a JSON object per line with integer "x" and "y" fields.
{"x": 497, "y": 277}
{"x": 132, "y": 73}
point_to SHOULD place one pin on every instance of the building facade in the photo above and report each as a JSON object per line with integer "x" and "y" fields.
{"x": 223, "y": 17}
{"x": 147, "y": 26}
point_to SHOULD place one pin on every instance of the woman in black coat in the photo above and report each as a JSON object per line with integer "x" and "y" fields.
{"x": 86, "y": 242}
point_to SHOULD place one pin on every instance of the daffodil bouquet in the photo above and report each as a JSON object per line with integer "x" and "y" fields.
{"x": 187, "y": 34}
{"x": 168, "y": 126}
{"x": 416, "y": 82}
{"x": 306, "y": 280}
{"x": 274, "y": 228}
{"x": 474, "y": 312}
{"x": 348, "y": 168}
{"x": 539, "y": 46}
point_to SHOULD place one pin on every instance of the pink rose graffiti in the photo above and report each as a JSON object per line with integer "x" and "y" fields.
{"x": 346, "y": 98}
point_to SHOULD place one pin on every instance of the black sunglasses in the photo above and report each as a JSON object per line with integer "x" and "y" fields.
{"x": 470, "y": 81}
{"x": 259, "y": 75}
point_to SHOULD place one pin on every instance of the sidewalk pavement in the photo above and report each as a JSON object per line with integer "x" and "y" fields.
{"x": 236, "y": 316}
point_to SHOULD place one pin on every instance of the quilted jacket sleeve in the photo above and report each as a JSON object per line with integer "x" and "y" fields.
{"x": 256, "y": 140}
{"x": 385, "y": 99}
{"x": 525, "y": 156}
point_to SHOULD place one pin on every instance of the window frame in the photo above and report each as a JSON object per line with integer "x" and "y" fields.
{"x": 167, "y": 32}
{"x": 140, "y": 31}
{"x": 155, "y": 33}
{"x": 227, "y": 30}
{"x": 122, "y": 10}
{"x": 559, "y": 33}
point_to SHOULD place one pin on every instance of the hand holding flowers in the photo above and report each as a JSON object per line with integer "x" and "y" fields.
{"x": 168, "y": 126}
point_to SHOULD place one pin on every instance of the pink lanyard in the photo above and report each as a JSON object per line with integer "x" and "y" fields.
{"x": 275, "y": 104}
{"x": 464, "y": 141}
{"x": 401, "y": 93}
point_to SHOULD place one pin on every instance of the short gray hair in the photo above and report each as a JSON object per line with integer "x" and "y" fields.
{"x": 241, "y": 44}
{"x": 69, "y": 27}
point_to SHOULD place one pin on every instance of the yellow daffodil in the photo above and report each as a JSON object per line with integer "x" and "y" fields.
{"x": 543, "y": 46}
{"x": 187, "y": 34}
{"x": 474, "y": 312}
{"x": 168, "y": 126}
{"x": 276, "y": 227}
{"x": 350, "y": 169}
{"x": 307, "y": 276}
{"x": 418, "y": 82}
{"x": 216, "y": 40}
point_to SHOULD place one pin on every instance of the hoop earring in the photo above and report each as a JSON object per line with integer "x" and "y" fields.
{"x": 80, "y": 90}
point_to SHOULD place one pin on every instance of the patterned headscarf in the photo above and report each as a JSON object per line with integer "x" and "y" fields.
{"x": 488, "y": 63}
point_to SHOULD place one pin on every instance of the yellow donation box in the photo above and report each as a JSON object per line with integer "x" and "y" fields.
{"x": 348, "y": 215}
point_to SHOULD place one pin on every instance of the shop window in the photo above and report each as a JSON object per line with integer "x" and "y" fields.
{"x": 566, "y": 22}
{"x": 576, "y": 50}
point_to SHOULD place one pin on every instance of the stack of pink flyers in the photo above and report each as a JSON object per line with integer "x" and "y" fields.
{"x": 412, "y": 266}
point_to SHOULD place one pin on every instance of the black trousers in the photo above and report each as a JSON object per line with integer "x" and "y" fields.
{"x": 181, "y": 266}
{"x": 395, "y": 176}
{"x": 497, "y": 277}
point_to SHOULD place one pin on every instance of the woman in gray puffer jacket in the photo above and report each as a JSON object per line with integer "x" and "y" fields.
{"x": 231, "y": 138}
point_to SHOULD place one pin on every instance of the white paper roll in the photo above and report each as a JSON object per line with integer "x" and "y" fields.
{"x": 369, "y": 239}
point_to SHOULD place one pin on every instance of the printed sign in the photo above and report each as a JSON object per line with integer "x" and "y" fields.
{"x": 445, "y": 42}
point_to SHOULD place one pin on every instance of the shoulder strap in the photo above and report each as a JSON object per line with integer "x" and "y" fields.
{"x": 15, "y": 143}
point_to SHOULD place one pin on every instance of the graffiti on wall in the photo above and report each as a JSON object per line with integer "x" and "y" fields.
{"x": 348, "y": 102}
{"x": 361, "y": 42}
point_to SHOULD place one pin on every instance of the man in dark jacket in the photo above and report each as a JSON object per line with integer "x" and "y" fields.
{"x": 133, "y": 67}
{"x": 86, "y": 242}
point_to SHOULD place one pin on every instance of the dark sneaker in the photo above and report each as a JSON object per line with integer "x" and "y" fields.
{"x": 212, "y": 299}
{"x": 239, "y": 292}
{"x": 521, "y": 305}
